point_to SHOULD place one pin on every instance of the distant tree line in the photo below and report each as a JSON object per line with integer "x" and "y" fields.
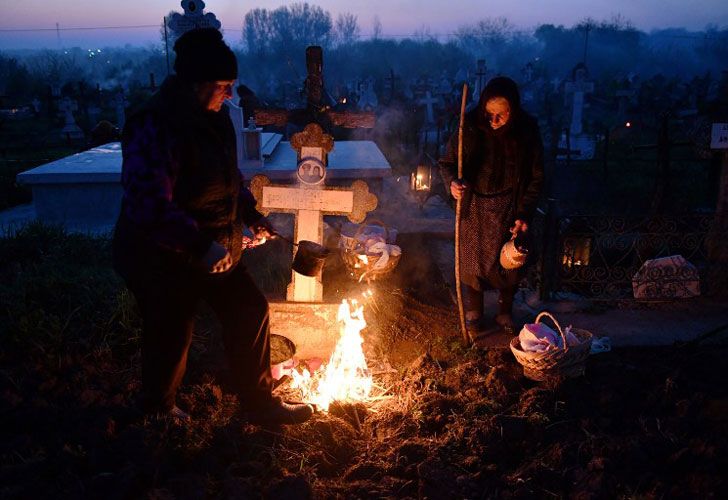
{"x": 273, "y": 41}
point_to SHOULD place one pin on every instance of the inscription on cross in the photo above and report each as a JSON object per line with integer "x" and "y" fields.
{"x": 310, "y": 200}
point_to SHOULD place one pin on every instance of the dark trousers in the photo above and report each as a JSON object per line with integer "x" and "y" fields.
{"x": 505, "y": 283}
{"x": 168, "y": 304}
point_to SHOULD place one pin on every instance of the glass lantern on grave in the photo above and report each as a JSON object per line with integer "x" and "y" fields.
{"x": 421, "y": 180}
{"x": 576, "y": 251}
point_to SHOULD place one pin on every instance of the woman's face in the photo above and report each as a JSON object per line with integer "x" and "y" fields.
{"x": 212, "y": 95}
{"x": 498, "y": 112}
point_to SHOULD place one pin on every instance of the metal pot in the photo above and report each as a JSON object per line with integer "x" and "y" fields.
{"x": 310, "y": 258}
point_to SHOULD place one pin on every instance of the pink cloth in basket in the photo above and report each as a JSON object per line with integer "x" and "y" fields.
{"x": 537, "y": 337}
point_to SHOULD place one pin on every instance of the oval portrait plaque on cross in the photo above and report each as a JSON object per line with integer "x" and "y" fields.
{"x": 311, "y": 171}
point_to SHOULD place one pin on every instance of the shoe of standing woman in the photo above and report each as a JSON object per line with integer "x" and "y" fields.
{"x": 278, "y": 412}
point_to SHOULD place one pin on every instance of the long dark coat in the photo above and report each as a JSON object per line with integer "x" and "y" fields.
{"x": 504, "y": 169}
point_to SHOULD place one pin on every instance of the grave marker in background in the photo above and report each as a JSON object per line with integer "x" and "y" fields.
{"x": 70, "y": 130}
{"x": 192, "y": 18}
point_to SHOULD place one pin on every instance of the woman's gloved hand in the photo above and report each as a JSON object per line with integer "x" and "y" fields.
{"x": 217, "y": 259}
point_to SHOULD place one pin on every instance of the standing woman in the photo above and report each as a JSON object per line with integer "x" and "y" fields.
{"x": 502, "y": 178}
{"x": 179, "y": 235}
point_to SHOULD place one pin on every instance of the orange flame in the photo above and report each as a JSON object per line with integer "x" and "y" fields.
{"x": 346, "y": 377}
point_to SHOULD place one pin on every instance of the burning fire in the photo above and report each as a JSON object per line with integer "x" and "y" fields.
{"x": 346, "y": 377}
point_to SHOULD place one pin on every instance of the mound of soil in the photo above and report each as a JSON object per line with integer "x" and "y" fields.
{"x": 445, "y": 421}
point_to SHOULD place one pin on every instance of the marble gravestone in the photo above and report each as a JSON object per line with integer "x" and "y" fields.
{"x": 304, "y": 318}
{"x": 309, "y": 199}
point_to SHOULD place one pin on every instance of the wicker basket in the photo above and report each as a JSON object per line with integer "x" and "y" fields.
{"x": 359, "y": 264}
{"x": 568, "y": 361}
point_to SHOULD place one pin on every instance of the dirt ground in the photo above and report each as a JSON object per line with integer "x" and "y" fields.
{"x": 445, "y": 421}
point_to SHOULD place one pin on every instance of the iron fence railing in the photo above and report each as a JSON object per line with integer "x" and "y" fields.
{"x": 598, "y": 256}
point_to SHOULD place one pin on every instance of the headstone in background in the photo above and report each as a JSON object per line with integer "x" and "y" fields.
{"x": 54, "y": 94}
{"x": 192, "y": 18}
{"x": 578, "y": 87}
{"x": 624, "y": 98}
{"x": 428, "y": 101}
{"x": 444, "y": 92}
{"x": 120, "y": 106}
{"x": 480, "y": 79}
{"x": 368, "y": 100}
{"x": 719, "y": 136}
{"x": 70, "y": 130}
{"x": 93, "y": 114}
{"x": 527, "y": 73}
{"x": 461, "y": 77}
{"x": 574, "y": 143}
{"x": 391, "y": 84}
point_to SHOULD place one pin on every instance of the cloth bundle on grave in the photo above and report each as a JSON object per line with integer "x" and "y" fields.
{"x": 368, "y": 250}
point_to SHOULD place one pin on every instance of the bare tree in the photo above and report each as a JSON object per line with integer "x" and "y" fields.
{"x": 376, "y": 28}
{"x": 346, "y": 29}
{"x": 423, "y": 34}
{"x": 257, "y": 31}
{"x": 286, "y": 29}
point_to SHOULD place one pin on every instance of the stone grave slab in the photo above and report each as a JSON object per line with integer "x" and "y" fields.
{"x": 313, "y": 327}
{"x": 83, "y": 191}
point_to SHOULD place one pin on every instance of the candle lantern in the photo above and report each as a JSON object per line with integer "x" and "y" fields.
{"x": 421, "y": 180}
{"x": 576, "y": 251}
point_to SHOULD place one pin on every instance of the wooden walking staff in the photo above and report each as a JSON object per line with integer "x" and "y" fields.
{"x": 458, "y": 205}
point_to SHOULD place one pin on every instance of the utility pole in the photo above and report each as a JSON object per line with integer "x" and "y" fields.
{"x": 58, "y": 36}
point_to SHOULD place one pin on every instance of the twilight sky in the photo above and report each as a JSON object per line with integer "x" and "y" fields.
{"x": 398, "y": 17}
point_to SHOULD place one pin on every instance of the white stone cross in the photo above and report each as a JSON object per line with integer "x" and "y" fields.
{"x": 578, "y": 88}
{"x": 309, "y": 200}
{"x": 67, "y": 107}
{"x": 70, "y": 129}
{"x": 428, "y": 101}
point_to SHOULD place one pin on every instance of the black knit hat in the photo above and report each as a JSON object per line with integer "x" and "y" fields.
{"x": 502, "y": 86}
{"x": 203, "y": 56}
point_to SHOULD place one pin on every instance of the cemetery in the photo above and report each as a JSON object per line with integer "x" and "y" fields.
{"x": 341, "y": 144}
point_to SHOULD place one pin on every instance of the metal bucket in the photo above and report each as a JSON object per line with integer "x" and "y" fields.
{"x": 310, "y": 258}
